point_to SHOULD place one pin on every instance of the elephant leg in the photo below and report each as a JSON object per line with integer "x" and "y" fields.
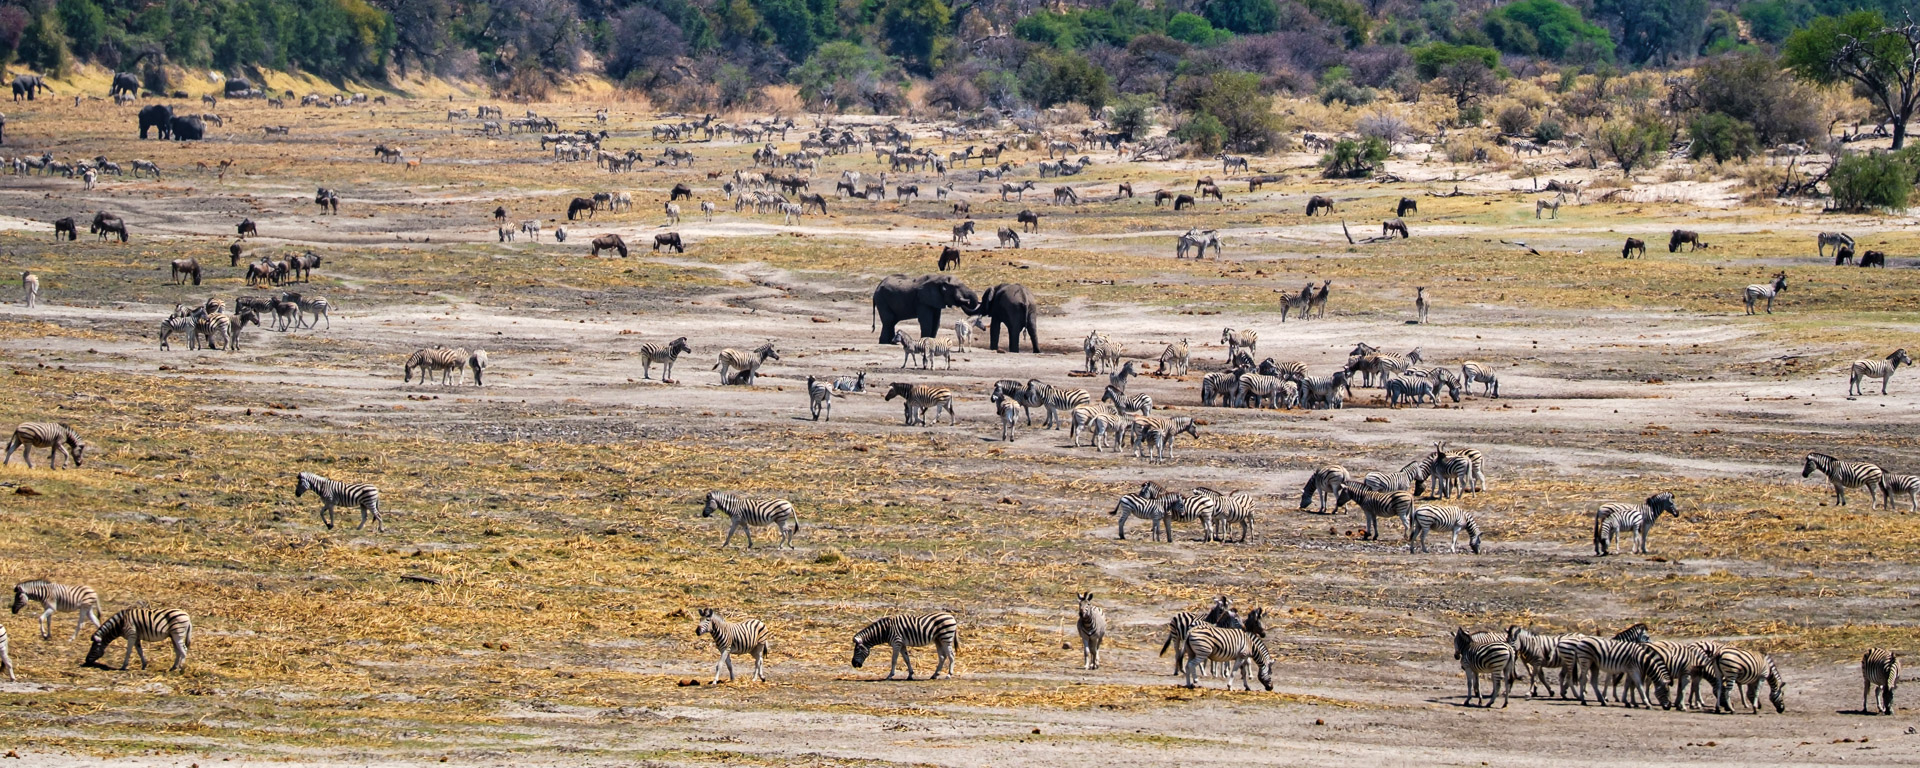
{"x": 929, "y": 322}
{"x": 993, "y": 335}
{"x": 1033, "y": 336}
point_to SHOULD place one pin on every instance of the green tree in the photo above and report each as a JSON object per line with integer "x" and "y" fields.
{"x": 1247, "y": 17}
{"x": 1352, "y": 159}
{"x": 791, "y": 23}
{"x": 1882, "y": 180}
{"x": 1133, "y": 115}
{"x": 911, "y": 27}
{"x": 1750, "y": 87}
{"x": 1650, "y": 28}
{"x": 85, "y": 25}
{"x": 1774, "y": 20}
{"x": 1204, "y": 132}
{"x": 833, "y": 69}
{"x": 1882, "y": 61}
{"x": 1634, "y": 142}
{"x": 1347, "y": 16}
{"x": 1192, "y": 30}
{"x": 1236, "y": 101}
{"x": 1547, "y": 27}
{"x": 42, "y": 46}
{"x": 1721, "y": 137}
{"x": 1429, "y": 60}
{"x": 1058, "y": 77}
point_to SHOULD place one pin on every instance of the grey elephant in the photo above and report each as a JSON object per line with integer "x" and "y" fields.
{"x": 238, "y": 87}
{"x": 124, "y": 82}
{"x": 1009, "y": 303}
{"x": 189, "y": 128}
{"x": 29, "y": 85}
{"x": 158, "y": 117}
{"x": 901, "y": 298}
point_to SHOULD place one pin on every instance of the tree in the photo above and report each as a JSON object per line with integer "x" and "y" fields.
{"x": 1466, "y": 80}
{"x": 1882, "y": 61}
{"x": 1549, "y": 28}
{"x": 1881, "y": 180}
{"x": 1430, "y": 59}
{"x": 1133, "y": 115}
{"x": 1247, "y": 17}
{"x": 1751, "y": 88}
{"x": 1634, "y": 142}
{"x": 1346, "y": 16}
{"x": 1650, "y": 28}
{"x": 1235, "y": 100}
{"x": 1191, "y": 29}
{"x": 834, "y": 68}
{"x": 1721, "y": 137}
{"x": 1351, "y": 159}
{"x": 85, "y": 25}
{"x": 911, "y": 28}
{"x": 1051, "y": 78}
{"x": 1774, "y": 20}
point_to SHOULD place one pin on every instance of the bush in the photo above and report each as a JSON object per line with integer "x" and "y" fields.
{"x": 1881, "y": 180}
{"x": 1515, "y": 120}
{"x": 1193, "y": 30}
{"x": 1549, "y": 129}
{"x": 1721, "y": 137}
{"x": 1133, "y": 115}
{"x": 1204, "y": 132}
{"x": 1634, "y": 143}
{"x": 1058, "y": 78}
{"x": 1380, "y": 125}
{"x": 1345, "y": 92}
{"x": 1751, "y": 87}
{"x": 1354, "y": 159}
{"x": 1433, "y": 59}
{"x": 1549, "y": 28}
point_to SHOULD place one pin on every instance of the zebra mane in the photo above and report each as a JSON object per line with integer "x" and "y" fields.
{"x": 879, "y": 629}
{"x": 33, "y": 583}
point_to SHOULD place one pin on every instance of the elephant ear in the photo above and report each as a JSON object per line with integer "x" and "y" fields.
{"x": 931, "y": 292}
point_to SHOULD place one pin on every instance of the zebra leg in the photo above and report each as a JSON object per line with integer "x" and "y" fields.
{"x": 1193, "y": 670}
{"x": 6, "y": 662}
{"x": 730, "y": 529}
{"x": 326, "y": 512}
{"x": 901, "y": 652}
{"x": 748, "y": 530}
{"x": 46, "y": 623}
{"x": 759, "y": 662}
{"x": 87, "y": 613}
{"x": 379, "y": 524}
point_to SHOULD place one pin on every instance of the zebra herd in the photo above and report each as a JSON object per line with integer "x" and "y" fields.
{"x": 135, "y": 625}
{"x": 1635, "y": 669}
{"x": 1880, "y": 485}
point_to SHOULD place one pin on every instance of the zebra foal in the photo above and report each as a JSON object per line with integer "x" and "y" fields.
{"x": 1613, "y": 517}
{"x": 58, "y": 598}
{"x": 56, "y": 438}
{"x": 1891, "y": 484}
{"x": 1451, "y": 519}
{"x": 1325, "y": 483}
{"x": 333, "y": 492}
{"x": 1092, "y": 624}
{"x": 731, "y": 637}
{"x": 1879, "y": 668}
{"x": 143, "y": 625}
{"x": 917, "y": 398}
{"x": 819, "y": 398}
{"x": 903, "y": 631}
{"x": 439, "y": 360}
{"x": 747, "y": 512}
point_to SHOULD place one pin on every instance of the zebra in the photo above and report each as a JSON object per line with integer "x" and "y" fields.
{"x": 56, "y": 438}
{"x": 1495, "y": 658}
{"x": 1157, "y": 511}
{"x": 746, "y": 511}
{"x": 1411, "y": 388}
{"x": 936, "y": 347}
{"x": 1470, "y": 477}
{"x": 1891, "y": 484}
{"x": 1613, "y": 517}
{"x": 1412, "y": 476}
{"x": 140, "y": 625}
{"x": 748, "y": 363}
{"x": 940, "y": 630}
{"x": 1203, "y": 504}
{"x": 1635, "y": 660}
{"x": 1758, "y": 291}
{"x": 6, "y": 658}
{"x": 1452, "y": 519}
{"x": 1235, "y": 647}
{"x": 1092, "y": 623}
{"x": 665, "y": 355}
{"x": 1688, "y": 663}
{"x": 1879, "y": 668}
{"x": 1221, "y": 385}
{"x": 1092, "y": 345}
{"x": 1326, "y": 483}
{"x": 1746, "y": 670}
{"x": 1420, "y": 305}
{"x": 1377, "y": 504}
{"x": 1452, "y": 474}
{"x": 1118, "y": 379}
{"x": 819, "y": 398}
{"x": 1175, "y": 359}
{"x": 1062, "y": 399}
{"x": 1236, "y": 508}
{"x": 30, "y": 285}
{"x": 1475, "y": 373}
{"x": 1141, "y": 404}
{"x": 440, "y": 359}
{"x": 1159, "y": 433}
{"x": 1238, "y": 340}
{"x": 332, "y": 493}
{"x": 917, "y": 398}
{"x": 55, "y": 598}
{"x": 1008, "y": 411}
{"x": 1097, "y": 423}
{"x": 851, "y": 383}
{"x": 911, "y": 348}
{"x": 1877, "y": 369}
{"x": 1837, "y": 240}
{"x": 1539, "y": 653}
{"x": 1221, "y": 615}
{"x": 1844, "y": 475}
{"x": 477, "y": 363}
{"x": 731, "y": 637}
{"x": 1255, "y": 386}
{"x": 316, "y": 306}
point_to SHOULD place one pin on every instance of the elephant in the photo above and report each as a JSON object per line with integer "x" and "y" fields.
{"x": 237, "y": 87}
{"x": 157, "y": 116}
{"x": 189, "y": 128}
{"x": 1009, "y": 303}
{"x": 900, "y": 298}
{"x": 124, "y": 82}
{"x": 29, "y": 85}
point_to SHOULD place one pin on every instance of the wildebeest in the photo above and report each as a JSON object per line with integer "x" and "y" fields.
{"x": 1029, "y": 220}
{"x": 233, "y": 255}
{"x": 1873, "y": 259}
{"x": 327, "y": 200}
{"x": 579, "y": 204}
{"x": 610, "y": 242}
{"x": 1161, "y": 196}
{"x": 949, "y": 258}
{"x": 105, "y": 224}
{"x": 1182, "y": 201}
{"x": 1634, "y": 247}
{"x": 1683, "y": 237}
{"x": 500, "y": 213}
{"x": 1843, "y": 255}
{"x": 1407, "y": 205}
{"x": 680, "y": 192}
{"x": 183, "y": 269}
{"x": 1319, "y": 203}
{"x": 65, "y": 226}
{"x": 1394, "y": 226}
{"x": 669, "y": 240}
{"x": 246, "y": 228}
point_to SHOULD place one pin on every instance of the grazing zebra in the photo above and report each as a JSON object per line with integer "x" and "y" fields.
{"x": 819, "y": 398}
{"x": 1175, "y": 359}
{"x": 746, "y": 512}
{"x": 1475, "y": 373}
{"x": 1062, "y": 399}
{"x": 1141, "y": 404}
{"x": 917, "y": 398}
{"x": 1253, "y": 387}
{"x": 665, "y": 355}
{"x": 731, "y": 637}
{"x": 1877, "y": 369}
{"x": 1767, "y": 291}
{"x": 1092, "y": 624}
{"x": 1413, "y": 389}
{"x": 438, "y": 359}
{"x": 1610, "y": 658}
{"x": 1540, "y": 653}
{"x": 1879, "y": 668}
{"x": 1420, "y": 305}
{"x": 56, "y": 598}
{"x": 1235, "y": 647}
{"x": 904, "y": 631}
{"x": 332, "y": 493}
{"x": 477, "y": 363}
{"x": 748, "y": 363}
{"x": 1097, "y": 423}
{"x": 1844, "y": 475}
{"x": 1688, "y": 663}
{"x": 1451, "y": 519}
{"x": 1238, "y": 340}
{"x": 851, "y": 383}
{"x": 1745, "y": 670}
{"x": 1326, "y": 483}
{"x": 1891, "y": 484}
{"x": 143, "y": 625}
{"x": 1613, "y": 517}
{"x": 1157, "y": 511}
{"x": 1221, "y": 615}
{"x": 1376, "y": 504}
{"x": 56, "y": 438}
{"x": 1495, "y": 658}
{"x": 1709, "y": 652}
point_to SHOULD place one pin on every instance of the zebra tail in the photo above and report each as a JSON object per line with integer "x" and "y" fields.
{"x": 1596, "y": 531}
{"x": 1168, "y": 644}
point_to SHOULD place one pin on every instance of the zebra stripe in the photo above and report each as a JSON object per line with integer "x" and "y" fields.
{"x": 331, "y": 492}
{"x": 143, "y": 625}
{"x": 1092, "y": 345}
{"x": 1325, "y": 483}
{"x": 731, "y": 637}
{"x": 1063, "y": 399}
{"x": 1475, "y": 373}
{"x": 1175, "y": 359}
{"x": 1877, "y": 369}
{"x": 1844, "y": 475}
{"x": 1154, "y": 510}
{"x": 1221, "y": 385}
{"x": 1008, "y": 411}
{"x": 1613, "y": 517}
{"x": 664, "y": 354}
{"x": 1254, "y": 386}
{"x": 1236, "y": 508}
{"x": 917, "y": 398}
{"x": 904, "y": 631}
{"x": 748, "y": 363}
{"x": 1159, "y": 433}
{"x": 58, "y": 598}
{"x": 1891, "y": 484}
{"x": 1377, "y": 504}
{"x": 436, "y": 360}
{"x": 1104, "y": 427}
{"x": 746, "y": 512}
{"x": 1767, "y": 291}
{"x": 1221, "y": 615}
{"x": 1092, "y": 623}
{"x": 1202, "y": 504}
{"x": 1451, "y": 519}
{"x": 1238, "y": 340}
{"x": 819, "y": 398}
{"x": 1636, "y": 661}
{"x": 56, "y": 438}
{"x": 1540, "y": 653}
{"x": 1879, "y": 668}
{"x": 1746, "y": 670}
{"x": 1235, "y": 647}
{"x": 1688, "y": 663}
{"x": 1491, "y": 657}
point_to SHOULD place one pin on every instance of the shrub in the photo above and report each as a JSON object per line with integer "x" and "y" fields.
{"x": 1515, "y": 120}
{"x": 1058, "y": 78}
{"x": 1345, "y": 92}
{"x": 1380, "y": 125}
{"x": 1634, "y": 143}
{"x": 1133, "y": 115}
{"x": 1751, "y": 87}
{"x": 1546, "y": 27}
{"x": 1354, "y": 159}
{"x": 1549, "y": 129}
{"x": 1204, "y": 132}
{"x": 1721, "y": 137}
{"x": 1882, "y": 180}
